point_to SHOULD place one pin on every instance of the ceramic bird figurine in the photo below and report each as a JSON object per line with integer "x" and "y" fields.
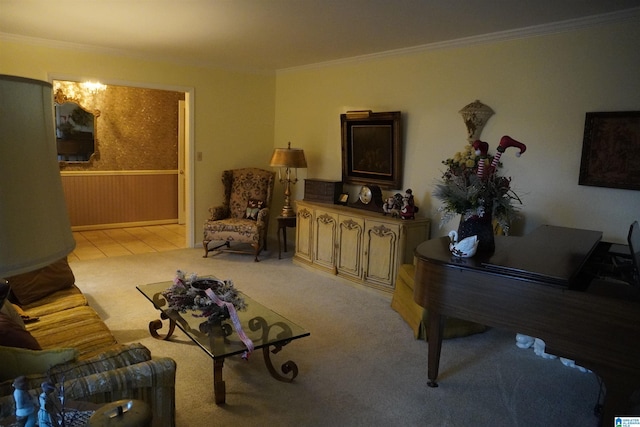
{"x": 466, "y": 248}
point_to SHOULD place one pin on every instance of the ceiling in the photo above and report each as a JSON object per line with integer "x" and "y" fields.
{"x": 267, "y": 35}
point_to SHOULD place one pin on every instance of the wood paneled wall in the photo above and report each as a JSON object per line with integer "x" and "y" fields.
{"x": 117, "y": 198}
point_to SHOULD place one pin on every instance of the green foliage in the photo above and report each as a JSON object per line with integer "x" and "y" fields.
{"x": 463, "y": 192}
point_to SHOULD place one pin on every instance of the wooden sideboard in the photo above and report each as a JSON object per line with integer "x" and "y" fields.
{"x": 362, "y": 246}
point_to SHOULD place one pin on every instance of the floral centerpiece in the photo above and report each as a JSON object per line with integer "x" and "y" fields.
{"x": 215, "y": 299}
{"x": 472, "y": 187}
{"x": 189, "y": 293}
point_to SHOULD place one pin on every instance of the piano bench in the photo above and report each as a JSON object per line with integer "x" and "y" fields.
{"x": 417, "y": 317}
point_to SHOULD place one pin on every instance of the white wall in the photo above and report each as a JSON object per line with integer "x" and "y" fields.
{"x": 233, "y": 113}
{"x": 539, "y": 87}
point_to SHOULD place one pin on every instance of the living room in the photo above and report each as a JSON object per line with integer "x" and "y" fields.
{"x": 539, "y": 95}
{"x": 540, "y": 82}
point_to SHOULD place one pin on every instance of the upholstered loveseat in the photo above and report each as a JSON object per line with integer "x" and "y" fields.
{"x": 47, "y": 310}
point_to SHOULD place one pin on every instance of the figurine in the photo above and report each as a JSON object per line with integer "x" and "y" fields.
{"x": 465, "y": 248}
{"x": 409, "y": 209}
{"x": 539, "y": 347}
{"x": 25, "y": 406}
{"x": 44, "y": 413}
{"x": 525, "y": 341}
{"x": 392, "y": 205}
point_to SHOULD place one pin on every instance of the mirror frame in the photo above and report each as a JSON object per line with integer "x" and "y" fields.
{"x": 60, "y": 98}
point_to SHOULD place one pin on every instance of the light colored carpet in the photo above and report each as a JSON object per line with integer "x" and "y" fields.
{"x": 360, "y": 366}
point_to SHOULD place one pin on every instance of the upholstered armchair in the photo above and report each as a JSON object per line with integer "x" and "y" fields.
{"x": 243, "y": 216}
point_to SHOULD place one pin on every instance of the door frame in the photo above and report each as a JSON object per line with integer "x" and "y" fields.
{"x": 189, "y": 126}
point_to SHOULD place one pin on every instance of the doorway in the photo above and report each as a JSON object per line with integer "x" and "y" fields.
{"x": 115, "y": 165}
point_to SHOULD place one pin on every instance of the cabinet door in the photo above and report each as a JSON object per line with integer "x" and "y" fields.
{"x": 304, "y": 233}
{"x": 324, "y": 243}
{"x": 380, "y": 252}
{"x": 349, "y": 240}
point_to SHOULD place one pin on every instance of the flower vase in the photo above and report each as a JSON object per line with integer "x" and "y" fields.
{"x": 481, "y": 226}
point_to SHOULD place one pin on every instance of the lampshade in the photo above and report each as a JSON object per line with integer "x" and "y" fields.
{"x": 34, "y": 223}
{"x": 288, "y": 158}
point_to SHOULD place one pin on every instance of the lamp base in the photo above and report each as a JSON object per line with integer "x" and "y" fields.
{"x": 287, "y": 211}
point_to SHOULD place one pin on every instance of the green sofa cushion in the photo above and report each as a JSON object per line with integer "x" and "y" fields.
{"x": 21, "y": 361}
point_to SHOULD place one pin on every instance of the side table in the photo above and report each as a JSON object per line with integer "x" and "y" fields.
{"x": 283, "y": 223}
{"x": 124, "y": 413}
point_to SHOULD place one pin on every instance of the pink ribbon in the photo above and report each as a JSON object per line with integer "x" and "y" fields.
{"x": 236, "y": 321}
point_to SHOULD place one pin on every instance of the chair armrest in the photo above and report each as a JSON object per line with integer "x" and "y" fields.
{"x": 263, "y": 216}
{"x": 218, "y": 212}
{"x": 152, "y": 382}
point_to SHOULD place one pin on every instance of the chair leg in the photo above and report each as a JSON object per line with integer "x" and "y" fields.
{"x": 256, "y": 246}
{"x": 205, "y": 243}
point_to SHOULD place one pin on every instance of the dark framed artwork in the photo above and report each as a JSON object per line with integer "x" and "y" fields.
{"x": 611, "y": 150}
{"x": 372, "y": 148}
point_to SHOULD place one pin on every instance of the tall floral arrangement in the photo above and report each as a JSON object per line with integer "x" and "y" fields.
{"x": 472, "y": 186}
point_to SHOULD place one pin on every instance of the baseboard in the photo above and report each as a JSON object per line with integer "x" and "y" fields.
{"x": 123, "y": 225}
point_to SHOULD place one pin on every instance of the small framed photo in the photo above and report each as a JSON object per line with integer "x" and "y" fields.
{"x": 611, "y": 150}
{"x": 343, "y": 199}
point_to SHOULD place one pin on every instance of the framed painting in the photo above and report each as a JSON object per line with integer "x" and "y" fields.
{"x": 371, "y": 149}
{"x": 611, "y": 150}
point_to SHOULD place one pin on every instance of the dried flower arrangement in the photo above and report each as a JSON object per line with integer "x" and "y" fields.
{"x": 471, "y": 184}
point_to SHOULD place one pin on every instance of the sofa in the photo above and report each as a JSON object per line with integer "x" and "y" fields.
{"x": 48, "y": 332}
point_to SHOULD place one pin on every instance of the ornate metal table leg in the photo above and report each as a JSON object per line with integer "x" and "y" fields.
{"x": 219, "y": 388}
{"x": 156, "y": 325}
{"x": 288, "y": 367}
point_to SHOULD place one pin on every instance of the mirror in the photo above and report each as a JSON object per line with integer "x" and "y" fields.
{"x": 75, "y": 130}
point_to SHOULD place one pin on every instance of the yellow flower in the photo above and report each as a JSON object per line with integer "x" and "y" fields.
{"x": 470, "y": 163}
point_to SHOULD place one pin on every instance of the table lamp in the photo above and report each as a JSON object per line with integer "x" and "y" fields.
{"x": 34, "y": 224}
{"x": 288, "y": 158}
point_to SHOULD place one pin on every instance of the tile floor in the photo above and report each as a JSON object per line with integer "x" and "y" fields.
{"x": 127, "y": 241}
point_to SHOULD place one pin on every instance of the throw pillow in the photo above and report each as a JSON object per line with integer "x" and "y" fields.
{"x": 20, "y": 361}
{"x": 14, "y": 335}
{"x": 10, "y": 310}
{"x": 30, "y": 287}
{"x": 253, "y": 207}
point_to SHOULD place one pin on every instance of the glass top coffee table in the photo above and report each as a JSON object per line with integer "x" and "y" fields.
{"x": 268, "y": 330}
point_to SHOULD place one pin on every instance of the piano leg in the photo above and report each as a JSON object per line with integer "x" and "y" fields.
{"x": 435, "y": 331}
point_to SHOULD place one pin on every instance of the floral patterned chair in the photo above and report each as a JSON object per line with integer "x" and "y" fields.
{"x": 243, "y": 216}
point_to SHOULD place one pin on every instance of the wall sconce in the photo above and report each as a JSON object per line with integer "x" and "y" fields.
{"x": 288, "y": 158}
{"x": 34, "y": 224}
{"x": 475, "y": 116}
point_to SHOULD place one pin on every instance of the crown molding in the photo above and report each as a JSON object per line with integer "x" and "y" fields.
{"x": 519, "y": 33}
{"x": 526, "y": 32}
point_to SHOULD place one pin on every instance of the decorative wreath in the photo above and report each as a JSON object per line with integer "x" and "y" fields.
{"x": 215, "y": 299}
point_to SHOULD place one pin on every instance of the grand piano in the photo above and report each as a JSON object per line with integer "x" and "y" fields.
{"x": 551, "y": 284}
